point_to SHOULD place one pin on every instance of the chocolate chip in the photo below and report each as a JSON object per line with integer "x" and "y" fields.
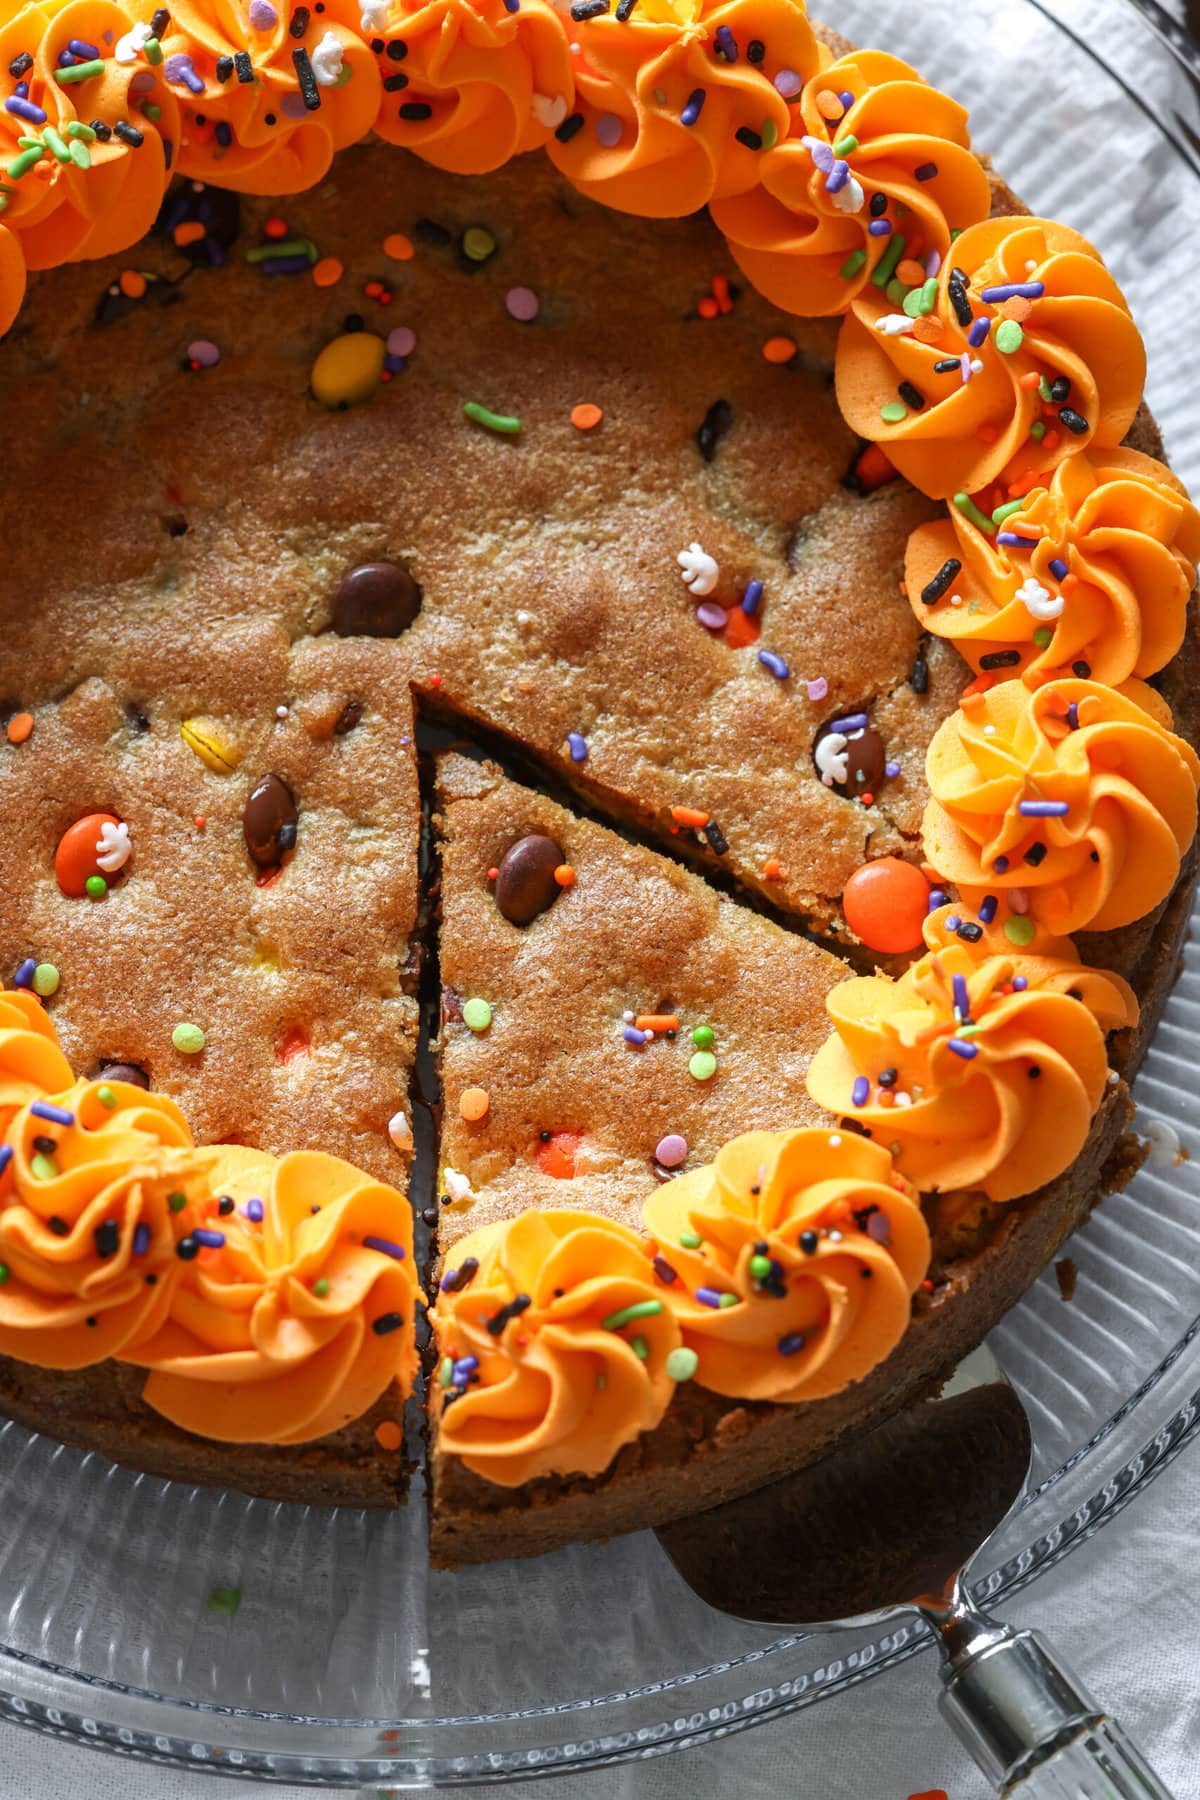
{"x": 128, "y": 1072}
{"x": 525, "y": 884}
{"x": 378, "y": 599}
{"x": 269, "y": 821}
{"x": 717, "y": 421}
{"x": 348, "y": 718}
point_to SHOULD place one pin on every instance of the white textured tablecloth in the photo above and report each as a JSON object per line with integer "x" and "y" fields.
{"x": 1124, "y": 1610}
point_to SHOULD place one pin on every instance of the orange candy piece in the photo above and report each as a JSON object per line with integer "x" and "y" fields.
{"x": 780, "y": 349}
{"x": 19, "y": 728}
{"x": 75, "y": 858}
{"x": 557, "y": 1156}
{"x": 885, "y": 903}
{"x": 586, "y": 416}
{"x": 473, "y": 1103}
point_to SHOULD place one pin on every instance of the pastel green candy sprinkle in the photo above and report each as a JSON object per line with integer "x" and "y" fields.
{"x": 478, "y": 244}
{"x": 79, "y": 153}
{"x": 725, "y": 1301}
{"x": 928, "y": 295}
{"x": 893, "y": 412}
{"x": 760, "y": 1267}
{"x": 43, "y": 1168}
{"x": 481, "y": 415}
{"x": 690, "y": 1240}
{"x": 321, "y": 1286}
{"x": 296, "y": 246}
{"x": 897, "y": 293}
{"x": 26, "y": 142}
{"x": 641, "y": 1309}
{"x": 845, "y": 145}
{"x": 176, "y": 1201}
{"x": 640, "y": 1348}
{"x": 107, "y": 1098}
{"x": 1037, "y": 430}
{"x": 77, "y": 129}
{"x": 854, "y": 264}
{"x": 45, "y": 980}
{"x": 56, "y": 144}
{"x": 96, "y": 887}
{"x": 769, "y": 132}
{"x": 151, "y": 111}
{"x": 1044, "y": 390}
{"x": 152, "y": 51}
{"x": 1019, "y": 930}
{"x": 189, "y": 1039}
{"x": 969, "y": 510}
{"x": 1009, "y": 336}
{"x": 79, "y": 72}
{"x": 477, "y": 1014}
{"x": 4, "y": 1273}
{"x": 682, "y": 1364}
{"x": 225, "y": 1600}
{"x": 703, "y": 1036}
{"x": 21, "y": 165}
{"x": 885, "y": 268}
{"x": 446, "y": 1371}
{"x": 703, "y": 1066}
{"x": 1043, "y": 637}
{"x": 1006, "y": 511}
{"x": 913, "y": 302}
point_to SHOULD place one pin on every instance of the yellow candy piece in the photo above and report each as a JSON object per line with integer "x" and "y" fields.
{"x": 212, "y": 745}
{"x": 348, "y": 370}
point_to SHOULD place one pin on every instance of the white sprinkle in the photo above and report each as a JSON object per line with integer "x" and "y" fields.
{"x": 130, "y": 47}
{"x": 629, "y": 1017}
{"x": 835, "y": 1237}
{"x": 895, "y": 325}
{"x": 835, "y": 1140}
{"x": 281, "y": 712}
{"x": 457, "y": 1186}
{"x": 400, "y": 1131}
{"x": 850, "y": 199}
{"x": 699, "y": 569}
{"x": 373, "y": 15}
{"x": 1039, "y": 601}
{"x": 830, "y": 757}
{"x": 326, "y": 60}
{"x": 1162, "y": 1138}
{"x": 900, "y": 1098}
{"x": 114, "y": 849}
{"x": 549, "y": 112}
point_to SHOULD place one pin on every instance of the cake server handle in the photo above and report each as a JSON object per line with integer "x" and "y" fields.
{"x": 1028, "y": 1723}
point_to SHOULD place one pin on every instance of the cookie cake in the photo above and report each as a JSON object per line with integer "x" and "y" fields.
{"x": 665, "y": 400}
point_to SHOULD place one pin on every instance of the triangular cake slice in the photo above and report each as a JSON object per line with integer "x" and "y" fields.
{"x": 561, "y": 945}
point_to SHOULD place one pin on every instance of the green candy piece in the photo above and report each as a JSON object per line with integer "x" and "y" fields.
{"x": 703, "y": 1036}
{"x": 478, "y": 244}
{"x": 1043, "y": 637}
{"x": 176, "y": 1202}
{"x": 45, "y": 980}
{"x": 225, "y": 1600}
{"x": 96, "y": 887}
{"x": 1019, "y": 929}
{"x": 321, "y": 1286}
{"x": 188, "y": 1039}
{"x": 885, "y": 268}
{"x": 84, "y": 71}
{"x": 928, "y": 296}
{"x": 43, "y": 1168}
{"x": 1037, "y": 430}
{"x": 760, "y": 1267}
{"x": 893, "y": 412}
{"x": 79, "y": 153}
{"x": 107, "y": 1098}
{"x": 845, "y": 145}
{"x": 703, "y": 1066}
{"x": 769, "y": 134}
{"x": 505, "y": 423}
{"x": 477, "y": 1014}
{"x": 897, "y": 292}
{"x": 446, "y": 1371}
{"x": 690, "y": 1240}
{"x": 1009, "y": 336}
{"x": 726, "y": 1301}
{"x": 682, "y": 1364}
{"x": 968, "y": 508}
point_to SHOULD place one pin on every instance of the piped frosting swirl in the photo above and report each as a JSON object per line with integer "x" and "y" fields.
{"x": 31, "y": 1063}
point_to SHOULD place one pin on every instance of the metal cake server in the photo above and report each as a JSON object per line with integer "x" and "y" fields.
{"x": 894, "y": 1525}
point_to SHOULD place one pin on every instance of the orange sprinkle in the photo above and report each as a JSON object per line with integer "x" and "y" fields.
{"x": 586, "y": 416}
{"x": 473, "y": 1104}
{"x": 873, "y": 469}
{"x": 556, "y": 1156}
{"x": 133, "y": 285}
{"x": 493, "y": 872}
{"x": 1030, "y": 380}
{"x": 199, "y": 821}
{"x": 721, "y": 290}
{"x": 565, "y": 875}
{"x": 708, "y": 308}
{"x": 657, "y": 1022}
{"x": 772, "y": 868}
{"x": 926, "y": 329}
{"x": 779, "y": 349}
{"x": 435, "y": 679}
{"x": 829, "y": 104}
{"x": 293, "y": 1045}
{"x": 741, "y": 629}
{"x": 1051, "y": 440}
{"x": 276, "y": 227}
{"x": 911, "y": 273}
{"x": 885, "y": 1097}
{"x": 328, "y": 272}
{"x": 388, "y": 1435}
{"x": 19, "y": 727}
{"x": 190, "y": 232}
{"x": 398, "y": 247}
{"x": 980, "y": 685}
{"x": 690, "y": 815}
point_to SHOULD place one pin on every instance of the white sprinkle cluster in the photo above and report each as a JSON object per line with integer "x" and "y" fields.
{"x": 699, "y": 569}
{"x": 327, "y": 60}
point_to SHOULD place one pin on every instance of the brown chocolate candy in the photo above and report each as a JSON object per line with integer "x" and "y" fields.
{"x": 866, "y": 758}
{"x": 525, "y": 884}
{"x": 378, "y": 599}
{"x": 269, "y": 821}
{"x": 129, "y": 1072}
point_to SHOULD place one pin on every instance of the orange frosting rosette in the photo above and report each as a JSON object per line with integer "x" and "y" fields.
{"x": 1052, "y": 314}
{"x": 1075, "y": 796}
{"x": 555, "y": 1349}
{"x": 663, "y": 91}
{"x": 87, "y": 195}
{"x": 482, "y": 84}
{"x": 796, "y": 1254}
{"x": 874, "y": 152}
{"x": 86, "y": 1235}
{"x": 31, "y": 1063}
{"x": 295, "y": 1311}
{"x": 978, "y": 1070}
{"x": 12, "y": 278}
{"x": 255, "y": 125}
{"x": 1095, "y": 566}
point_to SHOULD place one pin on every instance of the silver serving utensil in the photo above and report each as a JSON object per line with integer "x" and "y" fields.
{"x": 894, "y": 1524}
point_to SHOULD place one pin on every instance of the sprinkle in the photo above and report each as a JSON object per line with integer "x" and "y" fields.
{"x": 454, "y": 1279}
{"x": 19, "y": 728}
{"x": 1023, "y": 290}
{"x": 682, "y": 1364}
{"x": 1074, "y": 422}
{"x": 817, "y": 690}
{"x": 860, "y": 1093}
{"x": 128, "y": 134}
{"x": 310, "y": 93}
{"x": 577, "y": 745}
{"x": 666, "y": 1274}
{"x": 189, "y": 1039}
{"x": 1020, "y": 983}
{"x": 1019, "y": 931}
{"x": 473, "y": 1103}
{"x": 6, "y": 1156}
{"x": 788, "y": 83}
{"x": 709, "y": 1297}
{"x": 694, "y": 107}
{"x": 962, "y": 1048}
{"x": 1015, "y": 541}
{"x": 500, "y": 422}
{"x": 521, "y": 303}
{"x": 641, "y": 1309}
{"x": 398, "y": 247}
{"x": 853, "y": 264}
{"x": 513, "y": 1310}
{"x": 83, "y": 71}
{"x": 327, "y": 271}
{"x": 254, "y": 1210}
{"x": 95, "y": 887}
{"x": 632, "y": 1035}
{"x": 690, "y": 1240}
{"x": 775, "y": 664}
{"x": 212, "y": 1240}
{"x": 385, "y": 1247}
{"x": 1000, "y": 659}
{"x": 21, "y": 165}
{"x": 25, "y": 109}
{"x": 45, "y": 980}
{"x": 987, "y": 908}
{"x": 934, "y": 589}
{"x": 968, "y": 508}
{"x": 911, "y": 396}
{"x": 586, "y": 416}
{"x": 445, "y": 1372}
{"x": 564, "y": 875}
{"x": 962, "y": 1001}
{"x": 204, "y": 353}
{"x": 1043, "y": 809}
{"x": 671, "y": 1150}
{"x": 107, "y": 1098}
{"x": 225, "y": 1600}
{"x": 850, "y": 722}
{"x": 400, "y": 1131}
{"x": 477, "y": 1015}
{"x": 893, "y": 412}
{"x": 752, "y": 598}
{"x": 1009, "y": 336}
{"x": 779, "y": 349}
{"x": 386, "y": 1323}
{"x": 57, "y": 1115}
{"x": 569, "y": 128}
{"x": 702, "y": 1066}
{"x": 788, "y": 1346}
{"x": 703, "y": 1036}
{"x": 1058, "y": 568}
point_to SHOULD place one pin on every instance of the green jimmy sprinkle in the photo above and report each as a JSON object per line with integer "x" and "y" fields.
{"x": 493, "y": 421}
{"x": 969, "y": 510}
{"x": 79, "y": 72}
{"x": 886, "y": 266}
{"x": 1006, "y": 511}
{"x": 641, "y": 1309}
{"x": 55, "y": 144}
{"x": 21, "y": 165}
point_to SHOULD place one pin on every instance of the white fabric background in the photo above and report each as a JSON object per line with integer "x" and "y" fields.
{"x": 1123, "y": 1610}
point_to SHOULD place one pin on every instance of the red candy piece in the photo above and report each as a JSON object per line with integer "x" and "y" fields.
{"x": 75, "y": 858}
{"x": 885, "y": 903}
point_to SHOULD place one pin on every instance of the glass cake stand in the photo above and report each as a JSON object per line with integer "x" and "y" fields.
{"x": 347, "y": 1662}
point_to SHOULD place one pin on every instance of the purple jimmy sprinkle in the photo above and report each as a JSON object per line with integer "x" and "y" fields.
{"x": 1000, "y": 864}
{"x": 775, "y": 664}
{"x": 708, "y": 1296}
{"x": 449, "y": 1281}
{"x": 1015, "y": 541}
{"x": 880, "y": 228}
{"x": 23, "y": 977}
{"x": 179, "y": 70}
{"x": 58, "y": 1115}
{"x": 860, "y": 1093}
{"x": 817, "y": 148}
{"x": 962, "y": 1000}
{"x": 6, "y": 1156}
{"x": 464, "y": 1368}
{"x": 726, "y": 43}
{"x": 254, "y": 1210}
{"x": 838, "y": 176}
{"x": 1020, "y": 983}
{"x": 891, "y": 770}
{"x": 1043, "y": 809}
{"x": 788, "y": 1346}
{"x": 978, "y": 332}
{"x": 632, "y": 1035}
{"x": 937, "y": 897}
{"x": 695, "y": 104}
{"x": 141, "y": 1239}
{"x": 577, "y": 745}
{"x": 1073, "y": 715}
{"x": 386, "y": 1247}
{"x": 846, "y": 98}
{"x": 1058, "y": 568}
{"x": 212, "y": 1240}
{"x": 664, "y": 1271}
{"x": 962, "y": 1048}
{"x": 752, "y": 598}
{"x": 952, "y": 922}
{"x": 879, "y": 1226}
{"x": 25, "y": 109}
{"x": 1013, "y": 290}
{"x": 84, "y": 51}
{"x": 22, "y": 90}
{"x": 65, "y": 60}
{"x": 933, "y": 263}
{"x": 851, "y": 722}
{"x": 987, "y": 908}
